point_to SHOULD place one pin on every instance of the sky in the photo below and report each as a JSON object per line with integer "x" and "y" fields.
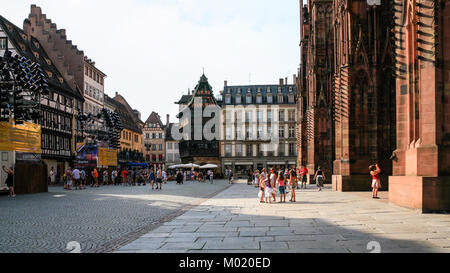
{"x": 153, "y": 51}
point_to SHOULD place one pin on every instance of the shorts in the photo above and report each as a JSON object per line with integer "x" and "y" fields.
{"x": 282, "y": 189}
{"x": 77, "y": 181}
{"x": 376, "y": 184}
{"x": 262, "y": 188}
{"x": 158, "y": 180}
{"x": 9, "y": 183}
{"x": 319, "y": 181}
{"x": 69, "y": 182}
{"x": 304, "y": 179}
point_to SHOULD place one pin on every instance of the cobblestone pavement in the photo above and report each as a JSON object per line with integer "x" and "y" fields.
{"x": 100, "y": 219}
{"x": 234, "y": 221}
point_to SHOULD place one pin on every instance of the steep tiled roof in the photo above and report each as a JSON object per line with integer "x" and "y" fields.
{"x": 30, "y": 47}
{"x": 184, "y": 99}
{"x": 264, "y": 90}
{"x": 127, "y": 118}
{"x": 154, "y": 118}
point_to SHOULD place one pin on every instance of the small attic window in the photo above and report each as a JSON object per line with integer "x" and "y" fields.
{"x": 9, "y": 27}
{"x": 36, "y": 54}
{"x": 48, "y": 61}
{"x": 22, "y": 46}
{"x": 36, "y": 44}
{"x": 24, "y": 36}
{"x": 60, "y": 79}
{"x": 50, "y": 74}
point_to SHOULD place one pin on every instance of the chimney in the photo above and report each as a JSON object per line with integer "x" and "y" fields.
{"x": 286, "y": 82}
{"x": 295, "y": 79}
{"x": 225, "y": 83}
{"x": 117, "y": 93}
{"x": 281, "y": 81}
{"x": 168, "y": 120}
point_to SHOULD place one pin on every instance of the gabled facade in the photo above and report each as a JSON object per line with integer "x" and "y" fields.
{"x": 154, "y": 133}
{"x": 194, "y": 147}
{"x": 58, "y": 110}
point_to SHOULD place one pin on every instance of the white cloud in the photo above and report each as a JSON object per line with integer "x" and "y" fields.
{"x": 153, "y": 51}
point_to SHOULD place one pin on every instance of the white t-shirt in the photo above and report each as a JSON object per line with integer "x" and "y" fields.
{"x": 52, "y": 175}
{"x": 76, "y": 174}
{"x": 272, "y": 179}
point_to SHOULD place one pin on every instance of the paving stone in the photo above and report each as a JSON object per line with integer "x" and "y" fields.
{"x": 183, "y": 246}
{"x": 274, "y": 245}
{"x": 251, "y": 233}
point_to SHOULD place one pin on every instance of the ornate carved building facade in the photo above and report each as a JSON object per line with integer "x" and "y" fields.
{"x": 372, "y": 88}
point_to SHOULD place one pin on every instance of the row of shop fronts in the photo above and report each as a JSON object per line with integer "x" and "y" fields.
{"x": 242, "y": 166}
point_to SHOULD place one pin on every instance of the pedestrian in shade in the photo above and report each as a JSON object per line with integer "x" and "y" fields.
{"x": 319, "y": 177}
{"x": 69, "y": 178}
{"x": 83, "y": 179}
{"x": 9, "y": 180}
{"x": 105, "y": 177}
{"x": 124, "y": 177}
{"x": 268, "y": 190}
{"x": 52, "y": 175}
{"x": 376, "y": 184}
{"x": 152, "y": 179}
{"x": 77, "y": 178}
{"x": 95, "y": 177}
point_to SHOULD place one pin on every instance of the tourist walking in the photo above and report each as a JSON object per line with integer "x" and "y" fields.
{"x": 256, "y": 178}
{"x": 304, "y": 173}
{"x": 230, "y": 177}
{"x": 164, "y": 176}
{"x": 83, "y": 179}
{"x": 268, "y": 193}
{"x": 52, "y": 176}
{"x": 114, "y": 176}
{"x": 179, "y": 177}
{"x": 95, "y": 177}
{"x": 294, "y": 185}
{"x": 281, "y": 182}
{"x": 69, "y": 178}
{"x": 273, "y": 180}
{"x": 9, "y": 180}
{"x": 319, "y": 177}
{"x": 159, "y": 179}
{"x": 211, "y": 176}
{"x": 124, "y": 177}
{"x": 376, "y": 183}
{"x": 105, "y": 177}
{"x": 152, "y": 178}
{"x": 76, "y": 178}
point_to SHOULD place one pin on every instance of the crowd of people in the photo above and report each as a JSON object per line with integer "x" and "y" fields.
{"x": 287, "y": 181}
{"x": 80, "y": 179}
{"x": 270, "y": 183}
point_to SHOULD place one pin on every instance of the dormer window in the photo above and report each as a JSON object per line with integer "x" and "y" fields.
{"x": 228, "y": 99}
{"x": 279, "y": 89}
{"x": 259, "y": 98}
{"x": 269, "y": 98}
{"x": 291, "y": 89}
{"x": 249, "y": 99}
{"x": 280, "y": 98}
{"x": 268, "y": 90}
{"x": 239, "y": 90}
{"x": 259, "y": 90}
{"x": 238, "y": 99}
{"x": 291, "y": 98}
{"x": 249, "y": 90}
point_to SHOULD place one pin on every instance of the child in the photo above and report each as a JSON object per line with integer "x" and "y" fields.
{"x": 282, "y": 187}
{"x": 262, "y": 187}
{"x": 268, "y": 191}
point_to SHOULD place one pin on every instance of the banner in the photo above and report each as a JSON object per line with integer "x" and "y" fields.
{"x": 87, "y": 157}
{"x": 24, "y": 137}
{"x": 107, "y": 157}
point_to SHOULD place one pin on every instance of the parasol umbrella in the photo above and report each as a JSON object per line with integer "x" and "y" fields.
{"x": 209, "y": 166}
